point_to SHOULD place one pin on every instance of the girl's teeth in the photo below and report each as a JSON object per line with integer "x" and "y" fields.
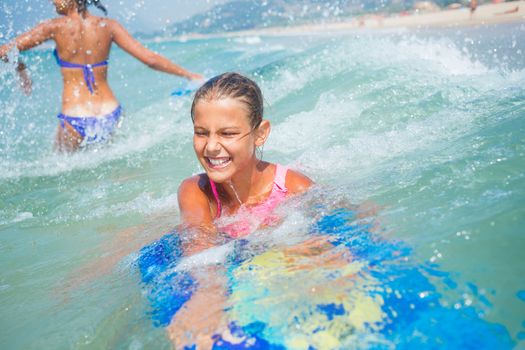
{"x": 217, "y": 162}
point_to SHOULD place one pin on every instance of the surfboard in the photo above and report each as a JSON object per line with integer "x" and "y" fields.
{"x": 379, "y": 298}
{"x": 188, "y": 88}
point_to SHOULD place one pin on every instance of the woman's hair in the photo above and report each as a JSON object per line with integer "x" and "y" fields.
{"x": 235, "y": 86}
{"x": 83, "y": 4}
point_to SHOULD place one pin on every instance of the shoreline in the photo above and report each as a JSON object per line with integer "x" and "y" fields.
{"x": 486, "y": 14}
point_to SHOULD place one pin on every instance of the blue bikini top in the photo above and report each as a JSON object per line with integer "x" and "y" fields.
{"x": 87, "y": 69}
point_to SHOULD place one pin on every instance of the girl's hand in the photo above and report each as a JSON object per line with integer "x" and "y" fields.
{"x": 311, "y": 247}
{"x": 314, "y": 253}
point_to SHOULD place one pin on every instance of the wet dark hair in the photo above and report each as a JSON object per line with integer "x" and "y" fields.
{"x": 83, "y": 4}
{"x": 236, "y": 86}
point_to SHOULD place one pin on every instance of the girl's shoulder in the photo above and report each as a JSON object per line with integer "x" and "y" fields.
{"x": 194, "y": 203}
{"x": 294, "y": 181}
{"x": 297, "y": 182}
{"x": 197, "y": 185}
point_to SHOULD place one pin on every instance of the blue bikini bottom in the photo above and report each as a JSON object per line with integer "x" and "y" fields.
{"x": 94, "y": 129}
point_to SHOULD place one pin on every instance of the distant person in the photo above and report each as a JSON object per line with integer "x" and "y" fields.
{"x": 509, "y": 11}
{"x": 473, "y": 6}
{"x": 90, "y": 112}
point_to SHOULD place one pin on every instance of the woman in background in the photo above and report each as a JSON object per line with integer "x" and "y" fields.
{"x": 90, "y": 111}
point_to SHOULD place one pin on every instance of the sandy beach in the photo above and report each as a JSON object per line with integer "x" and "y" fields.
{"x": 506, "y": 12}
{"x": 485, "y": 14}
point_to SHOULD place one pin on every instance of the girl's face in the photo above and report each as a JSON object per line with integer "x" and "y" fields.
{"x": 223, "y": 138}
{"x": 63, "y": 6}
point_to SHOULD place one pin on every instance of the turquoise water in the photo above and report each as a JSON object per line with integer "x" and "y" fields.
{"x": 427, "y": 125}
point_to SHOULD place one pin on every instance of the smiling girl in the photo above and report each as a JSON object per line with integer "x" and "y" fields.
{"x": 227, "y": 114}
{"x": 235, "y": 196}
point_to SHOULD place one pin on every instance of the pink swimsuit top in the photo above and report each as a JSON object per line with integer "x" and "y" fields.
{"x": 248, "y": 219}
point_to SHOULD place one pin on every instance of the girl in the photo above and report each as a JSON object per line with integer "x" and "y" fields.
{"x": 227, "y": 114}
{"x": 90, "y": 112}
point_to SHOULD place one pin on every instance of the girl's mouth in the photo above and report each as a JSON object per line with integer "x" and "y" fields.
{"x": 218, "y": 163}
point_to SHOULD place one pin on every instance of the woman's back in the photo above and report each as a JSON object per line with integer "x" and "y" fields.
{"x": 83, "y": 40}
{"x": 90, "y": 112}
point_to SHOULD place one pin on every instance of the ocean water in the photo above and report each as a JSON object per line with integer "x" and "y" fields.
{"x": 428, "y": 126}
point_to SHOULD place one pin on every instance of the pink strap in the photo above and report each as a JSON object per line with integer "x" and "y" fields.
{"x": 280, "y": 177}
{"x": 279, "y": 182}
{"x": 216, "y": 195}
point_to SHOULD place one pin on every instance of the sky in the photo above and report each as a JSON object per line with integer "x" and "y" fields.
{"x": 17, "y": 16}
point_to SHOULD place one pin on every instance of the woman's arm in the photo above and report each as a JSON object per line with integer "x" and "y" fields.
{"x": 24, "y": 79}
{"x": 153, "y": 60}
{"x": 36, "y": 36}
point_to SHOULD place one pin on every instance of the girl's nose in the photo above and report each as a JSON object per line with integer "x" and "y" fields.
{"x": 213, "y": 144}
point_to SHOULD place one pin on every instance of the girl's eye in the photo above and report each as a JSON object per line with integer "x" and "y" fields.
{"x": 230, "y": 134}
{"x": 199, "y": 133}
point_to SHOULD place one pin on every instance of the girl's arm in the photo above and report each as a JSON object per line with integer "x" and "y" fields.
{"x": 153, "y": 60}
{"x": 296, "y": 182}
{"x": 203, "y": 315}
{"x": 197, "y": 222}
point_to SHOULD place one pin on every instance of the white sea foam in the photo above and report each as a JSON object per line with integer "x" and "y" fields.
{"x": 150, "y": 126}
{"x": 421, "y": 126}
{"x": 250, "y": 40}
{"x": 211, "y": 256}
{"x": 18, "y": 217}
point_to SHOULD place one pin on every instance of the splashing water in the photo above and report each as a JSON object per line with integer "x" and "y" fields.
{"x": 428, "y": 125}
